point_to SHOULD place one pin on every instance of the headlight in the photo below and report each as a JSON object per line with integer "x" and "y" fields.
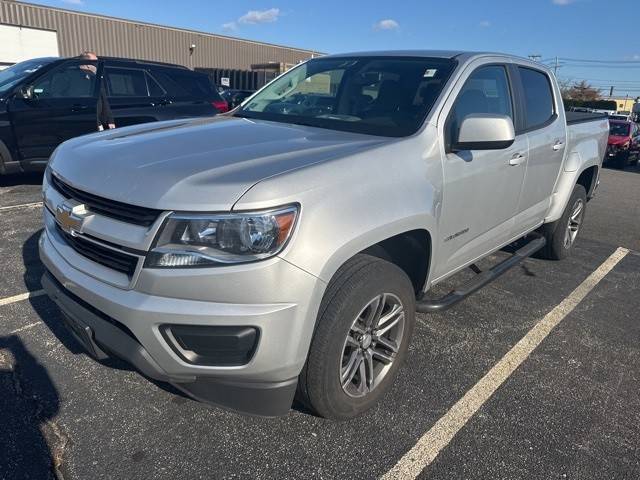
{"x": 191, "y": 240}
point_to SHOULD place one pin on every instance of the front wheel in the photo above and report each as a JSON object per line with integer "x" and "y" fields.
{"x": 561, "y": 235}
{"x": 361, "y": 339}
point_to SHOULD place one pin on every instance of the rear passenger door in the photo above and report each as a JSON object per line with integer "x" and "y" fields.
{"x": 546, "y": 131}
{"x": 189, "y": 94}
{"x": 134, "y": 95}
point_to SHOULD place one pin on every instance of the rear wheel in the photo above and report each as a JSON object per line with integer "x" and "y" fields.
{"x": 561, "y": 235}
{"x": 361, "y": 339}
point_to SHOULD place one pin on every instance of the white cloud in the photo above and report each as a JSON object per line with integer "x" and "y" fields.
{"x": 73, "y": 2}
{"x": 386, "y": 24}
{"x": 230, "y": 26}
{"x": 485, "y": 23}
{"x": 260, "y": 16}
{"x": 563, "y": 2}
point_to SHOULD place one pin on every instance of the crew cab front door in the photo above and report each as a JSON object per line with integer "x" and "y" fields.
{"x": 481, "y": 187}
{"x": 63, "y": 105}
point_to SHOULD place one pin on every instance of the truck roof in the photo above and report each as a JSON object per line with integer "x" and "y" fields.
{"x": 449, "y": 54}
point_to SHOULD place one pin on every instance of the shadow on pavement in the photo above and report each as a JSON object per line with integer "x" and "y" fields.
{"x": 635, "y": 168}
{"x": 29, "y": 402}
{"x": 31, "y": 178}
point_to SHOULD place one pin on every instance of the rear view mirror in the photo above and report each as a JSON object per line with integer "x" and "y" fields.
{"x": 26, "y": 92}
{"x": 485, "y": 131}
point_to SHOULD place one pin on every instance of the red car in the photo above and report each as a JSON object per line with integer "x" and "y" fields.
{"x": 624, "y": 143}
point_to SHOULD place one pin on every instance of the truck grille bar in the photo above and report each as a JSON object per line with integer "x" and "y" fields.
{"x": 142, "y": 216}
{"x": 119, "y": 261}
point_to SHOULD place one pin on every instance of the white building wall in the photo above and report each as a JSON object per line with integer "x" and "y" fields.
{"x": 22, "y": 43}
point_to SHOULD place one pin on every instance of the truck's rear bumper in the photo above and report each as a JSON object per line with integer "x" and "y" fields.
{"x": 104, "y": 337}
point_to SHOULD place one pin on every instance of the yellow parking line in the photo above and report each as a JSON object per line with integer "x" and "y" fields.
{"x": 440, "y": 435}
{"x": 20, "y": 297}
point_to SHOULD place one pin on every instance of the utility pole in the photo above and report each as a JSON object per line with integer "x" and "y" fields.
{"x": 535, "y": 57}
{"x": 555, "y": 68}
{"x": 611, "y": 91}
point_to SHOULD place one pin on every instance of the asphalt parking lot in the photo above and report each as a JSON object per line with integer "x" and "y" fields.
{"x": 570, "y": 409}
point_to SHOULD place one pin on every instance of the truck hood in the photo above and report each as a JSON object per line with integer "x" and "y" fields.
{"x": 196, "y": 164}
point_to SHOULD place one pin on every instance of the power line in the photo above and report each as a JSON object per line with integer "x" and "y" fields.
{"x": 584, "y": 60}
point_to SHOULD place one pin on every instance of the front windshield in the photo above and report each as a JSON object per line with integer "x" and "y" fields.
{"x": 9, "y": 77}
{"x": 388, "y": 96}
{"x": 619, "y": 129}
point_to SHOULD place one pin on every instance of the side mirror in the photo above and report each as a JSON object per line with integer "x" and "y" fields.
{"x": 485, "y": 131}
{"x": 26, "y": 92}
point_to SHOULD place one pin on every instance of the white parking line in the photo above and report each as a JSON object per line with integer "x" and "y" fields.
{"x": 20, "y": 297}
{"x": 23, "y": 205}
{"x": 26, "y": 327}
{"x": 438, "y": 437}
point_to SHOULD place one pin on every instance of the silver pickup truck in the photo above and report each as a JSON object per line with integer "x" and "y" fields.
{"x": 282, "y": 250}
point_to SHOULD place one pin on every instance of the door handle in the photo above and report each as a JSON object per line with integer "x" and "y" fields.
{"x": 78, "y": 107}
{"x": 558, "y": 146}
{"x": 517, "y": 159}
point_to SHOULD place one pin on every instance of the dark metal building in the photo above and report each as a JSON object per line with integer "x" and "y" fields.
{"x": 117, "y": 37}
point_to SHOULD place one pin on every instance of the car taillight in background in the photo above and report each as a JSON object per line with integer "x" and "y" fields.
{"x": 220, "y": 105}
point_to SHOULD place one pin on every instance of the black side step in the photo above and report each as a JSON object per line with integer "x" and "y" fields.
{"x": 482, "y": 278}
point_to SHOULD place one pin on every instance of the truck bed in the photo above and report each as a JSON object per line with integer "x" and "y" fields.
{"x": 580, "y": 117}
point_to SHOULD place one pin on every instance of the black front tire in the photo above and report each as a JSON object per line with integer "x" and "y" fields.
{"x": 359, "y": 280}
{"x": 555, "y": 233}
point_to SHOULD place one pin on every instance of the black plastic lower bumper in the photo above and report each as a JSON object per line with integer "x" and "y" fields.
{"x": 104, "y": 337}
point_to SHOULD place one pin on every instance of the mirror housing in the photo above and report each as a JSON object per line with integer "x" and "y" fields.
{"x": 485, "y": 131}
{"x": 26, "y": 92}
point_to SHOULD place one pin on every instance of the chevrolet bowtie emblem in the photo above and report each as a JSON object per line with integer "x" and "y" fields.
{"x": 70, "y": 218}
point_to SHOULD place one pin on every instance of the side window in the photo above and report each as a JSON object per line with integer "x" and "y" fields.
{"x": 71, "y": 80}
{"x": 486, "y": 91}
{"x": 538, "y": 97}
{"x": 155, "y": 90}
{"x": 185, "y": 84}
{"x": 126, "y": 82}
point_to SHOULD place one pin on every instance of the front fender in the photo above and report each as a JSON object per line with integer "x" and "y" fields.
{"x": 350, "y": 204}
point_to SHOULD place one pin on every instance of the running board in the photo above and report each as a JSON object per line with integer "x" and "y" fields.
{"x": 482, "y": 278}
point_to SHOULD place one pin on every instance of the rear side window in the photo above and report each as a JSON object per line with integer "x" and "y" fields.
{"x": 538, "y": 98}
{"x": 183, "y": 83}
{"x": 485, "y": 91}
{"x": 126, "y": 82}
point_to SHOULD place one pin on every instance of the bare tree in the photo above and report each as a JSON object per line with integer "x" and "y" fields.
{"x": 582, "y": 91}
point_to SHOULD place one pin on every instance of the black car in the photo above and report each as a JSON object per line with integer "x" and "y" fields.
{"x": 235, "y": 97}
{"x": 45, "y": 101}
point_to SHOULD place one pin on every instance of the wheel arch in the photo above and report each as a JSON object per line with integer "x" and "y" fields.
{"x": 409, "y": 247}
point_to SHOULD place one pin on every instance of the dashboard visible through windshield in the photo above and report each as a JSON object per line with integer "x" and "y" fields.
{"x": 387, "y": 96}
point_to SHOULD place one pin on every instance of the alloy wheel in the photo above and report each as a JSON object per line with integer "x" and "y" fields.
{"x": 574, "y": 223}
{"x": 372, "y": 344}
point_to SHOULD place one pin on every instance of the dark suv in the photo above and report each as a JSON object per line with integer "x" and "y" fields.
{"x": 45, "y": 101}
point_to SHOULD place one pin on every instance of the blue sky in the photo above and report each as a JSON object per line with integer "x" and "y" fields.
{"x": 569, "y": 29}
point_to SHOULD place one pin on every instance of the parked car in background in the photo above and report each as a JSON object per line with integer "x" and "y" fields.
{"x": 286, "y": 247}
{"x": 621, "y": 117}
{"x": 623, "y": 146}
{"x": 45, "y": 101}
{"x": 235, "y": 97}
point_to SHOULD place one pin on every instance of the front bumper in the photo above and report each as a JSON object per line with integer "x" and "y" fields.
{"x": 128, "y": 324}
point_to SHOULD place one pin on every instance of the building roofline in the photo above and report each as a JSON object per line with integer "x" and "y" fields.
{"x": 165, "y": 27}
